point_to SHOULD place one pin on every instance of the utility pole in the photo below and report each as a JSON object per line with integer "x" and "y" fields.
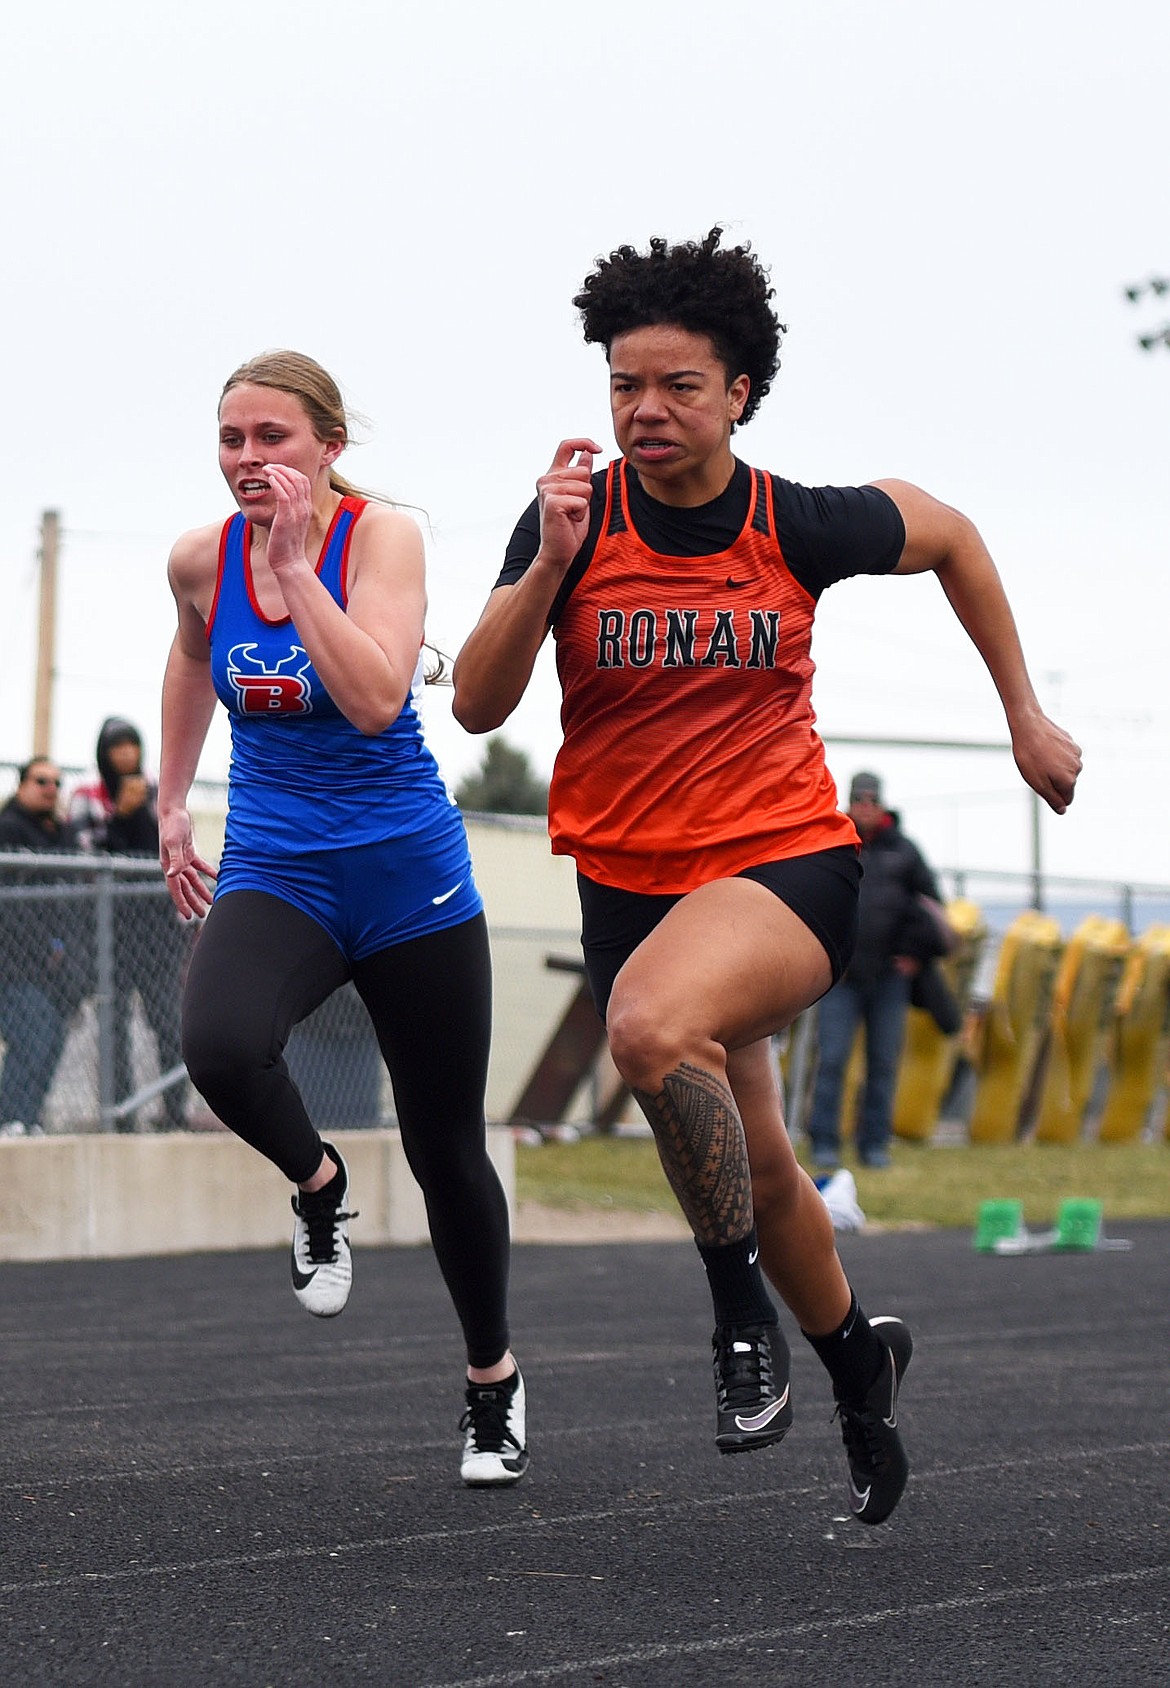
{"x": 46, "y": 636}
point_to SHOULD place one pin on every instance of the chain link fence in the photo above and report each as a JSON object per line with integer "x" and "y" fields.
{"x": 92, "y": 962}
{"x": 91, "y": 965}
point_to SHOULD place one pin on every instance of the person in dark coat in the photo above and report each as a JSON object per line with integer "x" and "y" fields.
{"x": 116, "y": 812}
{"x": 44, "y": 944}
{"x": 900, "y": 931}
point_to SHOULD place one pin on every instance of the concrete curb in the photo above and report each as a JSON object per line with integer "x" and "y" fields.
{"x": 91, "y": 1197}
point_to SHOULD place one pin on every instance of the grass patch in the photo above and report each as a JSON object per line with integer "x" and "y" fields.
{"x": 924, "y": 1186}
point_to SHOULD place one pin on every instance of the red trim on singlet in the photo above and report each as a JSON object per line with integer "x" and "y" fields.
{"x": 284, "y": 620}
{"x": 357, "y": 505}
{"x": 219, "y": 567}
{"x": 348, "y": 502}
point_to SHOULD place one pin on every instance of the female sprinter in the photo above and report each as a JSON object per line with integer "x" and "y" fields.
{"x": 344, "y": 857}
{"x": 718, "y": 878}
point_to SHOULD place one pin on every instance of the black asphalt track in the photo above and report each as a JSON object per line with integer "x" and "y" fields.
{"x": 199, "y": 1484}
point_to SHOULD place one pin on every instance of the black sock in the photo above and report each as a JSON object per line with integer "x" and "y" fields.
{"x": 737, "y": 1284}
{"x": 331, "y": 1183}
{"x": 853, "y": 1354}
{"x": 506, "y": 1384}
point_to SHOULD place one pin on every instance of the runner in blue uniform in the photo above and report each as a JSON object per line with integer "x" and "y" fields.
{"x": 344, "y": 858}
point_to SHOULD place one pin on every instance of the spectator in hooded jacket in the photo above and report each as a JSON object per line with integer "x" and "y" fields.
{"x": 116, "y": 812}
{"x": 897, "y": 933}
{"x": 43, "y": 941}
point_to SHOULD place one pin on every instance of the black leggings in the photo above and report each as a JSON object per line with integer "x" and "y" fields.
{"x": 260, "y": 966}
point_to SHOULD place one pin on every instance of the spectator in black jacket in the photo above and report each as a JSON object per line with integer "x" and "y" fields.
{"x": 116, "y": 811}
{"x": 44, "y": 941}
{"x": 900, "y": 928}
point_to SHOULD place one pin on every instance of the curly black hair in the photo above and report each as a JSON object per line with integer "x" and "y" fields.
{"x": 722, "y": 293}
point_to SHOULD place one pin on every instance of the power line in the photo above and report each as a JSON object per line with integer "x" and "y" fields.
{"x": 1158, "y": 286}
{"x": 887, "y": 741}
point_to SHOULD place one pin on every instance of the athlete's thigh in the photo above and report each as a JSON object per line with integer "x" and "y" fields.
{"x": 430, "y": 1001}
{"x": 262, "y": 962}
{"x": 729, "y": 961}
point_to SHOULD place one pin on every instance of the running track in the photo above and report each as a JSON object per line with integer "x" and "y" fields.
{"x": 201, "y": 1485}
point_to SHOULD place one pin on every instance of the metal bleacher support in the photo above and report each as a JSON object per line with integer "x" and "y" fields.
{"x": 568, "y": 1059}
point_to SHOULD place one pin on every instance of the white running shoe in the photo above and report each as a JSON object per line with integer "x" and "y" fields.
{"x": 494, "y": 1450}
{"x": 322, "y": 1268}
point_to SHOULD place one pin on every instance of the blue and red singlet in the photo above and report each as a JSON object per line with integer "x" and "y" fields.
{"x": 304, "y": 781}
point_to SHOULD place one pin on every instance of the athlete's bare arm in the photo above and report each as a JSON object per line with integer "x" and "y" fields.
{"x": 188, "y": 703}
{"x": 942, "y": 539}
{"x": 495, "y": 665}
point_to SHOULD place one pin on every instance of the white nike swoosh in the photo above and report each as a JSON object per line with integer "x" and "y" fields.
{"x": 859, "y": 1499}
{"x": 447, "y": 895}
{"x": 892, "y": 1421}
{"x": 762, "y": 1420}
{"x": 753, "y": 1256}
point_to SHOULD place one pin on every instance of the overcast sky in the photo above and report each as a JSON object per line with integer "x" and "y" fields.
{"x": 951, "y": 200}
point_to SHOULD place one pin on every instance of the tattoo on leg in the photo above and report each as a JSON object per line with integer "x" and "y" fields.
{"x": 701, "y": 1145}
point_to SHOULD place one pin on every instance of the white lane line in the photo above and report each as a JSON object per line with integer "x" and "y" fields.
{"x": 661, "y": 1652}
{"x": 545, "y": 1525}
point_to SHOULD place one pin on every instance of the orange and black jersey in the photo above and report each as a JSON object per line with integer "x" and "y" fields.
{"x": 683, "y": 648}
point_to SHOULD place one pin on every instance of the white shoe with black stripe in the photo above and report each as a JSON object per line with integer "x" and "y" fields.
{"x": 322, "y": 1268}
{"x": 494, "y": 1448}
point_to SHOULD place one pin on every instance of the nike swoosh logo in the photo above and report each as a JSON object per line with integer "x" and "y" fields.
{"x": 447, "y": 895}
{"x": 754, "y": 1256}
{"x": 301, "y": 1280}
{"x": 892, "y": 1421}
{"x": 735, "y": 584}
{"x": 859, "y": 1500}
{"x": 761, "y": 1420}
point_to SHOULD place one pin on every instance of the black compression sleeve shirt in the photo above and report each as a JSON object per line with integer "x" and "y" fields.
{"x": 825, "y": 533}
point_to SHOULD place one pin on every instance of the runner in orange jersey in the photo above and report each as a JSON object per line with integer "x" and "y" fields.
{"x": 718, "y": 877}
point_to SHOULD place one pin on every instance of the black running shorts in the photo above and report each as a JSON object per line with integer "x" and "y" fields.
{"x": 820, "y": 888}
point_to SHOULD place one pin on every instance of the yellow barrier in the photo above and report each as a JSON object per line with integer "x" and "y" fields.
{"x": 1011, "y": 1034}
{"x": 1141, "y": 1038}
{"x": 928, "y": 1054}
{"x": 1082, "y": 1007}
{"x": 1057, "y": 1014}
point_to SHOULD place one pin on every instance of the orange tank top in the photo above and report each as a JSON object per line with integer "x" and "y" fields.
{"x": 690, "y": 748}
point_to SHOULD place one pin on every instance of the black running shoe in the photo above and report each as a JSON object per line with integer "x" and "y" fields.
{"x": 750, "y": 1411}
{"x": 878, "y": 1467}
{"x": 322, "y": 1270}
{"x": 493, "y": 1448}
